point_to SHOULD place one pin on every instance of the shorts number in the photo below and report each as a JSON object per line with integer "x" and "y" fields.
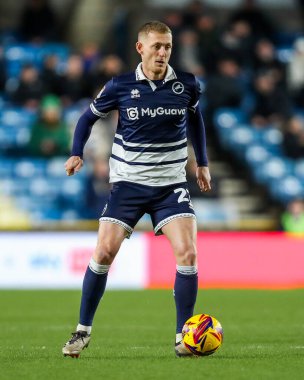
{"x": 184, "y": 195}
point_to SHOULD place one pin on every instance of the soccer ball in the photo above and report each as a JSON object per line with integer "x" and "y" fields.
{"x": 202, "y": 335}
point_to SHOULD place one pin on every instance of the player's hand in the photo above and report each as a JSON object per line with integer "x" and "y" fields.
{"x": 203, "y": 178}
{"x": 73, "y": 165}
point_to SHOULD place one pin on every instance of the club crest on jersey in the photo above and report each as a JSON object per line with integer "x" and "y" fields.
{"x": 132, "y": 113}
{"x": 135, "y": 93}
{"x": 178, "y": 88}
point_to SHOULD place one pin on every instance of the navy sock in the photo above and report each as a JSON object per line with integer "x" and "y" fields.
{"x": 185, "y": 292}
{"x": 93, "y": 287}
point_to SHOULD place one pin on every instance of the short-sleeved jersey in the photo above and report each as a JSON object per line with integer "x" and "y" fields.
{"x": 150, "y": 144}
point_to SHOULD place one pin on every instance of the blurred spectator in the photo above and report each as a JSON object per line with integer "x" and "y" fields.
{"x": 237, "y": 41}
{"x": 259, "y": 22}
{"x": 73, "y": 85}
{"x": 295, "y": 73}
{"x": 174, "y": 19}
{"x": 272, "y": 106}
{"x": 292, "y": 219}
{"x": 29, "y": 88}
{"x": 49, "y": 74}
{"x": 90, "y": 56}
{"x": 38, "y": 22}
{"x": 192, "y": 12}
{"x": 108, "y": 67}
{"x": 208, "y": 36}
{"x": 188, "y": 59}
{"x": 2, "y": 71}
{"x": 294, "y": 138}
{"x": 301, "y": 9}
{"x": 97, "y": 188}
{"x": 298, "y": 98}
{"x": 49, "y": 135}
{"x": 224, "y": 89}
{"x": 265, "y": 60}
{"x": 120, "y": 32}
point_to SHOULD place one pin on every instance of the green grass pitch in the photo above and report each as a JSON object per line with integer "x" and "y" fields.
{"x": 134, "y": 332}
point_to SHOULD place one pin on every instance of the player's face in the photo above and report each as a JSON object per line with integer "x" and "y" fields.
{"x": 155, "y": 50}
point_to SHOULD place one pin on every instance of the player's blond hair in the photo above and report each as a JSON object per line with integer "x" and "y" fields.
{"x": 153, "y": 26}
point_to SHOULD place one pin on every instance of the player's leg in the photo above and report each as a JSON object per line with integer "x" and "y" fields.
{"x": 117, "y": 221}
{"x": 181, "y": 233}
{"x": 110, "y": 237}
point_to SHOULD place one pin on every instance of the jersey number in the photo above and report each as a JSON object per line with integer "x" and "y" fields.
{"x": 184, "y": 195}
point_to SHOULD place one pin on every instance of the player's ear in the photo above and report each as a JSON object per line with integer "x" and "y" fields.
{"x": 139, "y": 46}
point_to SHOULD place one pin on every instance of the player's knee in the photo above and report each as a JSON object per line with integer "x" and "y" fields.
{"x": 186, "y": 255}
{"x": 105, "y": 253}
{"x": 190, "y": 258}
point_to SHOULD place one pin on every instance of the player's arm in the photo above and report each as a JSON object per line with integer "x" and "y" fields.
{"x": 105, "y": 102}
{"x": 81, "y": 135}
{"x": 196, "y": 129}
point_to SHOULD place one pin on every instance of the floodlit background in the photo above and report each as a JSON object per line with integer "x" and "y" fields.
{"x": 55, "y": 56}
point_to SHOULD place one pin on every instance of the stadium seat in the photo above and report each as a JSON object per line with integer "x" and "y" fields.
{"x": 271, "y": 139}
{"x": 256, "y": 154}
{"x": 62, "y": 51}
{"x": 7, "y": 138}
{"x": 13, "y": 138}
{"x": 14, "y": 187}
{"x": 2, "y": 102}
{"x": 228, "y": 117}
{"x": 70, "y": 215}
{"x": 17, "y": 117}
{"x": 72, "y": 114}
{"x": 225, "y": 119}
{"x": 214, "y": 211}
{"x": 29, "y": 203}
{"x": 55, "y": 167}
{"x": 15, "y": 128}
{"x": 45, "y": 188}
{"x": 286, "y": 189}
{"x": 6, "y": 166}
{"x": 299, "y": 170}
{"x": 273, "y": 169}
{"x": 30, "y": 168}
{"x": 72, "y": 192}
{"x": 6, "y": 186}
{"x": 16, "y": 55}
{"x": 284, "y": 53}
{"x": 42, "y": 215}
{"x": 240, "y": 138}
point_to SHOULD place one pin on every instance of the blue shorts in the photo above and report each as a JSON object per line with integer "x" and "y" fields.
{"x": 128, "y": 202}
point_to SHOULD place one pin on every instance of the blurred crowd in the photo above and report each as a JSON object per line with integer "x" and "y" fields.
{"x": 237, "y": 62}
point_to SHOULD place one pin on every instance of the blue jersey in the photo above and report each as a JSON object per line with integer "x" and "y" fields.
{"x": 150, "y": 144}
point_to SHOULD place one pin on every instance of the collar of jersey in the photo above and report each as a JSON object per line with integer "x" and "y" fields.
{"x": 170, "y": 75}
